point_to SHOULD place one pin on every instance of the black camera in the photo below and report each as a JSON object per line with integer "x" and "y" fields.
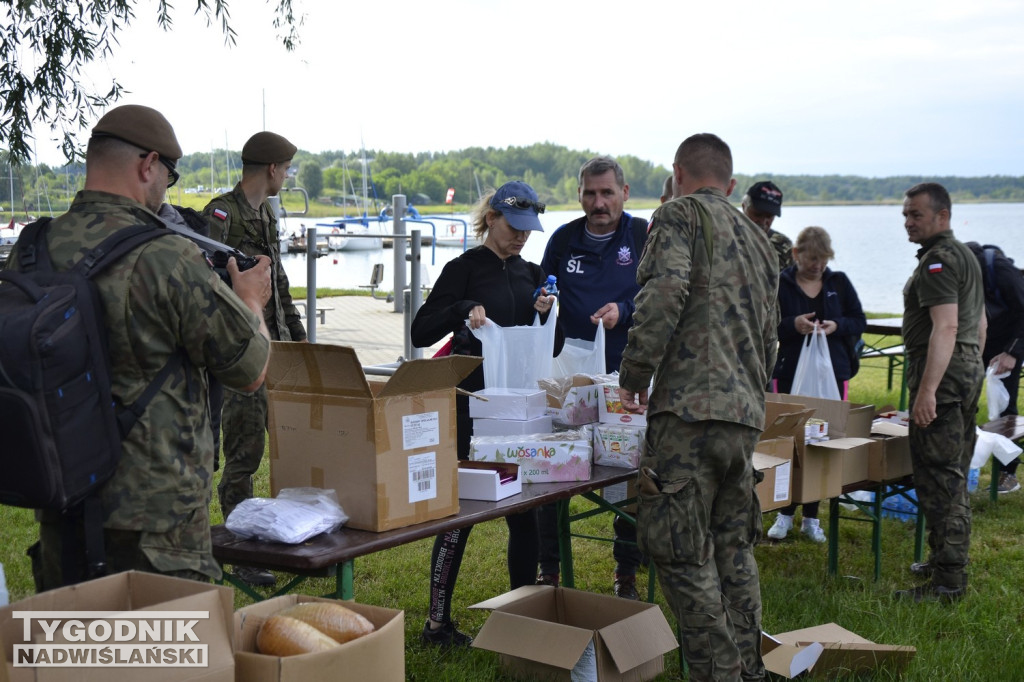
{"x": 219, "y": 260}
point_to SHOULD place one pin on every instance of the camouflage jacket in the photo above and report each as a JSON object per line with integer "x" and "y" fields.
{"x": 947, "y": 272}
{"x": 254, "y": 233}
{"x": 158, "y": 300}
{"x": 783, "y": 246}
{"x": 706, "y": 332}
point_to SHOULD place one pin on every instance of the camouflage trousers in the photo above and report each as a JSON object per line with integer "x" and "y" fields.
{"x": 244, "y": 425}
{"x": 698, "y": 521}
{"x": 941, "y": 454}
{"x": 126, "y": 550}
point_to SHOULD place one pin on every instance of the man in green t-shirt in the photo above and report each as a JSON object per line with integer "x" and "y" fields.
{"x": 943, "y": 331}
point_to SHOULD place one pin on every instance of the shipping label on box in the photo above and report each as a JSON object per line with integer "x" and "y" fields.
{"x": 618, "y": 445}
{"x": 579, "y": 407}
{"x": 540, "y": 461}
{"x": 508, "y": 427}
{"x": 611, "y": 411}
{"x": 775, "y": 490}
{"x": 377, "y": 656}
{"x": 508, "y": 403}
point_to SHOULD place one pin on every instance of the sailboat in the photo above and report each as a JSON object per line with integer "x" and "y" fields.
{"x": 364, "y": 233}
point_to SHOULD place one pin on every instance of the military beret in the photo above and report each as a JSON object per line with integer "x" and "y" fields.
{"x": 267, "y": 147}
{"x": 141, "y": 126}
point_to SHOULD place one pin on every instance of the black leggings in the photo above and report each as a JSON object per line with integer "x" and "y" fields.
{"x": 447, "y": 557}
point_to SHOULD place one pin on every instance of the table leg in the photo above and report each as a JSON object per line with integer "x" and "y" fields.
{"x": 833, "y": 536}
{"x": 993, "y": 488}
{"x": 565, "y": 544}
{"x": 344, "y": 587}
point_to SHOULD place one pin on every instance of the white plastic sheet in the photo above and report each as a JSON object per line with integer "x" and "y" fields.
{"x": 815, "y": 377}
{"x": 995, "y": 392}
{"x": 993, "y": 445}
{"x": 296, "y": 515}
{"x": 516, "y": 357}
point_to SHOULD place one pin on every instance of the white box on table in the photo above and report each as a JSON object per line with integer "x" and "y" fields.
{"x": 506, "y": 427}
{"x": 610, "y": 408}
{"x": 508, "y": 403}
{"x": 618, "y": 445}
{"x": 489, "y": 481}
{"x": 552, "y": 458}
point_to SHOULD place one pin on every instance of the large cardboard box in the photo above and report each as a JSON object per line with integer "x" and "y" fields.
{"x": 565, "y": 456}
{"x": 775, "y": 490}
{"x": 378, "y": 656}
{"x": 889, "y": 457}
{"x": 127, "y": 601}
{"x": 387, "y": 448}
{"x": 828, "y": 650}
{"x": 545, "y": 632}
{"x": 845, "y": 419}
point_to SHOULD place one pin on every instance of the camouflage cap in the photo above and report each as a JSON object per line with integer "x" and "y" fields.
{"x": 141, "y": 126}
{"x": 267, "y": 147}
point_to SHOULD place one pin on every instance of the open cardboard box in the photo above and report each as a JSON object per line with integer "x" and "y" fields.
{"x": 579, "y": 406}
{"x": 133, "y": 593}
{"x": 828, "y": 650}
{"x": 378, "y": 656}
{"x": 387, "y": 448}
{"x": 489, "y": 481}
{"x": 889, "y": 458}
{"x": 775, "y": 490}
{"x": 542, "y": 632}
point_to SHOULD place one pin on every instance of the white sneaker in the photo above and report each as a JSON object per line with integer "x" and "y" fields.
{"x": 781, "y": 526}
{"x": 812, "y": 529}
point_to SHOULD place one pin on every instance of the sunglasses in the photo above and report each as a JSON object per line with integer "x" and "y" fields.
{"x": 172, "y": 174}
{"x": 519, "y": 202}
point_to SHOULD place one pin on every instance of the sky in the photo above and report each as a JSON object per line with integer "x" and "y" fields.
{"x": 872, "y": 88}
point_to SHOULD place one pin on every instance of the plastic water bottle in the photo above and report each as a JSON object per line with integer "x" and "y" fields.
{"x": 4, "y": 596}
{"x": 972, "y": 479}
{"x": 551, "y": 286}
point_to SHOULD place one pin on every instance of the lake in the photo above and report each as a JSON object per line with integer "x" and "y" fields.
{"x": 870, "y": 243}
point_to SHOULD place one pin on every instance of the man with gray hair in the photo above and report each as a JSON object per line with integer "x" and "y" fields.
{"x": 595, "y": 258}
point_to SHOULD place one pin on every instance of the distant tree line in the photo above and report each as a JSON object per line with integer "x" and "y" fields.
{"x": 424, "y": 177}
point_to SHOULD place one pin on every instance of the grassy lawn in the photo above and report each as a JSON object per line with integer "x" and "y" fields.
{"x": 976, "y": 639}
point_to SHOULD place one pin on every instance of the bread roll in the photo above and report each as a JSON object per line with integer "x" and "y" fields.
{"x": 334, "y": 620}
{"x": 283, "y": 636}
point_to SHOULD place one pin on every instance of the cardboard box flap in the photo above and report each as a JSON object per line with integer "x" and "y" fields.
{"x": 889, "y": 429}
{"x": 509, "y": 597}
{"x": 418, "y": 376}
{"x": 785, "y": 424}
{"x": 316, "y": 368}
{"x": 858, "y": 657}
{"x": 636, "y": 640}
{"x": 789, "y": 660}
{"x": 842, "y": 443}
{"x": 828, "y": 633}
{"x": 549, "y": 643}
{"x": 762, "y": 461}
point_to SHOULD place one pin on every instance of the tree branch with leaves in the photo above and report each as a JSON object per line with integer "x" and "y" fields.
{"x": 44, "y": 46}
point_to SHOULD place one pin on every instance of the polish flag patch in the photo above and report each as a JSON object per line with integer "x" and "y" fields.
{"x": 220, "y": 213}
{"x": 934, "y": 268}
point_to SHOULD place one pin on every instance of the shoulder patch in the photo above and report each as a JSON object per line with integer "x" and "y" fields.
{"x": 935, "y": 268}
{"x": 220, "y": 213}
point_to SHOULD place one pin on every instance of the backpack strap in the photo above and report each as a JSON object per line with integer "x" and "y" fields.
{"x": 32, "y": 251}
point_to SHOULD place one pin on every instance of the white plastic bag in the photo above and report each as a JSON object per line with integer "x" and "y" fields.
{"x": 296, "y": 515}
{"x": 516, "y": 357}
{"x": 815, "y": 377}
{"x": 581, "y": 357}
{"x": 996, "y": 393}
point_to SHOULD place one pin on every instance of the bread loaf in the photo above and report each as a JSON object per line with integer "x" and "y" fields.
{"x": 334, "y": 620}
{"x": 283, "y": 636}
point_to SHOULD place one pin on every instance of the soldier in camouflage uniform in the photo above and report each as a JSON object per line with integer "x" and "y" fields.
{"x": 160, "y": 300}
{"x": 245, "y": 220}
{"x": 763, "y": 204}
{"x": 705, "y": 328}
{"x": 944, "y": 328}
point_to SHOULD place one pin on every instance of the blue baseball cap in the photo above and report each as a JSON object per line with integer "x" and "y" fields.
{"x": 518, "y": 203}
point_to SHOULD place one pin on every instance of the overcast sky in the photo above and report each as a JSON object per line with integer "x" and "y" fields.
{"x": 866, "y": 88}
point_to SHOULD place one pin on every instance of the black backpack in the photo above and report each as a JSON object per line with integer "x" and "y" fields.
{"x": 61, "y": 429}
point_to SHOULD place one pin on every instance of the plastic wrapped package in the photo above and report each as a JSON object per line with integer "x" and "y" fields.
{"x": 296, "y": 515}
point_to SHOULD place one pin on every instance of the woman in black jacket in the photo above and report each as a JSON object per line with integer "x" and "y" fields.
{"x": 491, "y": 282}
{"x": 810, "y": 295}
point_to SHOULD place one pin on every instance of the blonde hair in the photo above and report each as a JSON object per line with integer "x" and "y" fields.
{"x": 814, "y": 241}
{"x": 481, "y": 210}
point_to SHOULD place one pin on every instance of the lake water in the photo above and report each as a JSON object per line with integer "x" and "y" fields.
{"x": 870, "y": 243}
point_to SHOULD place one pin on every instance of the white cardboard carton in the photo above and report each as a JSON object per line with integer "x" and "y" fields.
{"x": 610, "y": 409}
{"x": 618, "y": 445}
{"x": 507, "y": 427}
{"x": 563, "y": 456}
{"x": 508, "y": 403}
{"x": 580, "y": 405}
{"x": 488, "y": 481}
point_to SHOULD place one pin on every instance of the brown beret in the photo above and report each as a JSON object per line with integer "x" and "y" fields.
{"x": 267, "y": 147}
{"x": 141, "y": 126}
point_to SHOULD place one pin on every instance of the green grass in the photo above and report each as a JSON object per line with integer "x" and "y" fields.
{"x": 977, "y": 639}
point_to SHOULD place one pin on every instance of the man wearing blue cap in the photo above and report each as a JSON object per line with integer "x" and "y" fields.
{"x": 763, "y": 204}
